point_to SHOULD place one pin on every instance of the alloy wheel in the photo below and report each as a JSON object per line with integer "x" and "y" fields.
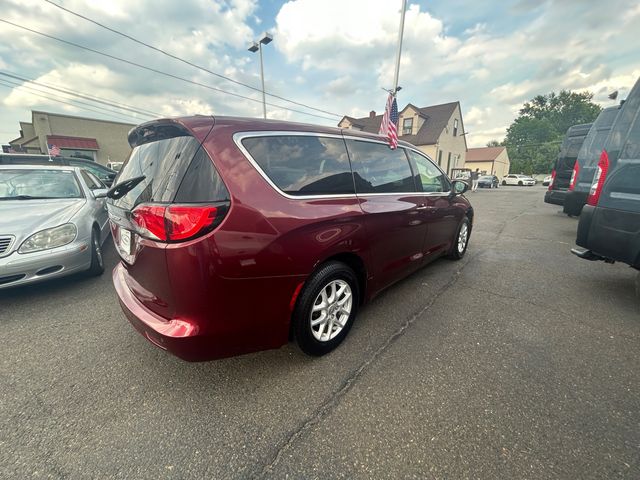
{"x": 331, "y": 310}
{"x": 463, "y": 237}
{"x": 98, "y": 250}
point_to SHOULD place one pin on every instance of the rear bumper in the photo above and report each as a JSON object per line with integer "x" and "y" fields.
{"x": 255, "y": 324}
{"x": 555, "y": 197}
{"x": 177, "y": 336}
{"x": 611, "y": 234}
{"x": 574, "y": 201}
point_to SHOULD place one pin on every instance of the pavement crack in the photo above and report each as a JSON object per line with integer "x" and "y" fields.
{"x": 348, "y": 383}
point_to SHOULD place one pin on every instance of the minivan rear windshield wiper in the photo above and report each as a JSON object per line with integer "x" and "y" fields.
{"x": 121, "y": 189}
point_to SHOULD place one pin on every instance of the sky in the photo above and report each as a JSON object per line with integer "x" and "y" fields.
{"x": 333, "y": 55}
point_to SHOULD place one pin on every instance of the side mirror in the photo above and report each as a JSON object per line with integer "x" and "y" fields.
{"x": 101, "y": 193}
{"x": 459, "y": 187}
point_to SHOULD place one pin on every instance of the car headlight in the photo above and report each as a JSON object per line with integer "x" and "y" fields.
{"x": 49, "y": 238}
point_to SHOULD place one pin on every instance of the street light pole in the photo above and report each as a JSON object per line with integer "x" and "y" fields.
{"x": 256, "y": 46}
{"x": 264, "y": 101}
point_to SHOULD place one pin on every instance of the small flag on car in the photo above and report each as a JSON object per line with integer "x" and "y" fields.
{"x": 389, "y": 125}
{"x": 53, "y": 150}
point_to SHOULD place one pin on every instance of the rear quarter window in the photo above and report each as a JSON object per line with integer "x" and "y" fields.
{"x": 303, "y": 164}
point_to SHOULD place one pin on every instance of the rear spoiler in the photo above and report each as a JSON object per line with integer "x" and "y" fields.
{"x": 169, "y": 128}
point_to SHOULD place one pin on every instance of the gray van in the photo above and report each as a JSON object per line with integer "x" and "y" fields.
{"x": 561, "y": 175}
{"x": 587, "y": 162}
{"x": 609, "y": 227}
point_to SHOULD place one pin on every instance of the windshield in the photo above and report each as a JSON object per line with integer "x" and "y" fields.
{"x": 27, "y": 184}
{"x": 486, "y": 177}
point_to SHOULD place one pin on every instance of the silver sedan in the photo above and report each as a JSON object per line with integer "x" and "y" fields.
{"x": 53, "y": 222}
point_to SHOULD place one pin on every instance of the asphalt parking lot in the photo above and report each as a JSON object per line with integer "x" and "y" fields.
{"x": 520, "y": 361}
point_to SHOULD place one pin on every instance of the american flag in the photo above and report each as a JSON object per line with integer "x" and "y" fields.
{"x": 389, "y": 125}
{"x": 53, "y": 150}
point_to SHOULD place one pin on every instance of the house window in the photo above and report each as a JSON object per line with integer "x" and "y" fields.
{"x": 449, "y": 164}
{"x": 440, "y": 158}
{"x": 407, "y": 126}
{"x": 455, "y": 127}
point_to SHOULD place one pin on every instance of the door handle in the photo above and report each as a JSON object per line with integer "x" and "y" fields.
{"x": 424, "y": 207}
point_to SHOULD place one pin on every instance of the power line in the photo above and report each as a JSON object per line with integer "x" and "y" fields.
{"x": 187, "y": 62}
{"x": 91, "y": 108}
{"x": 160, "y": 72}
{"x": 86, "y": 96}
{"x": 76, "y": 102}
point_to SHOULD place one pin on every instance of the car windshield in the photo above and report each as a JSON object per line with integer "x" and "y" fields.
{"x": 23, "y": 184}
{"x": 486, "y": 177}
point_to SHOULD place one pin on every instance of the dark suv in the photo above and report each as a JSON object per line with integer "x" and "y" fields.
{"x": 561, "y": 174}
{"x": 106, "y": 175}
{"x": 236, "y": 234}
{"x": 587, "y": 162}
{"x": 609, "y": 227}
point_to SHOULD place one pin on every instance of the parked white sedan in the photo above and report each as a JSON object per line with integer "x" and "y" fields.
{"x": 519, "y": 180}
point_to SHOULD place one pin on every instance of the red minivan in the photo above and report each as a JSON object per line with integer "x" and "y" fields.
{"x": 237, "y": 234}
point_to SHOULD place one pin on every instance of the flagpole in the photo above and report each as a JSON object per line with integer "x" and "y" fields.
{"x": 400, "y": 35}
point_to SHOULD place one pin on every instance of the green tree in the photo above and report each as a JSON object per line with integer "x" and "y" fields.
{"x": 493, "y": 143}
{"x": 533, "y": 139}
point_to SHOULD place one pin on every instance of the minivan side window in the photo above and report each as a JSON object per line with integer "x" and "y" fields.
{"x": 303, "y": 164}
{"x": 378, "y": 169}
{"x": 428, "y": 177}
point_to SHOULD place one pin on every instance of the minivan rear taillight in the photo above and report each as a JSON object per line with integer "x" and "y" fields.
{"x": 173, "y": 223}
{"x": 574, "y": 175}
{"x": 553, "y": 179}
{"x": 598, "y": 179}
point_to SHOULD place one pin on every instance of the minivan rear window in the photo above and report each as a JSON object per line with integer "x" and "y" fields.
{"x": 303, "y": 164}
{"x": 163, "y": 163}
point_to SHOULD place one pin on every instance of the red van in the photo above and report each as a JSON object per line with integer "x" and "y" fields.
{"x": 237, "y": 234}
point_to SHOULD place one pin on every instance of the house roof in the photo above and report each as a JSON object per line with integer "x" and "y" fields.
{"x": 483, "y": 154}
{"x": 368, "y": 124}
{"x": 82, "y": 143}
{"x": 436, "y": 118}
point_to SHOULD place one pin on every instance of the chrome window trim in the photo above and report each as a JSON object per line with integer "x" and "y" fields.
{"x": 239, "y": 136}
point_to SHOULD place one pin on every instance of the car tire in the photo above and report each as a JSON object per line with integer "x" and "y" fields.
{"x": 459, "y": 245}
{"x": 504, "y": 182}
{"x": 519, "y": 184}
{"x": 97, "y": 260}
{"x": 335, "y": 285}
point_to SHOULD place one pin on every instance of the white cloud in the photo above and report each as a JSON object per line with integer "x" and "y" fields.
{"x": 333, "y": 54}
